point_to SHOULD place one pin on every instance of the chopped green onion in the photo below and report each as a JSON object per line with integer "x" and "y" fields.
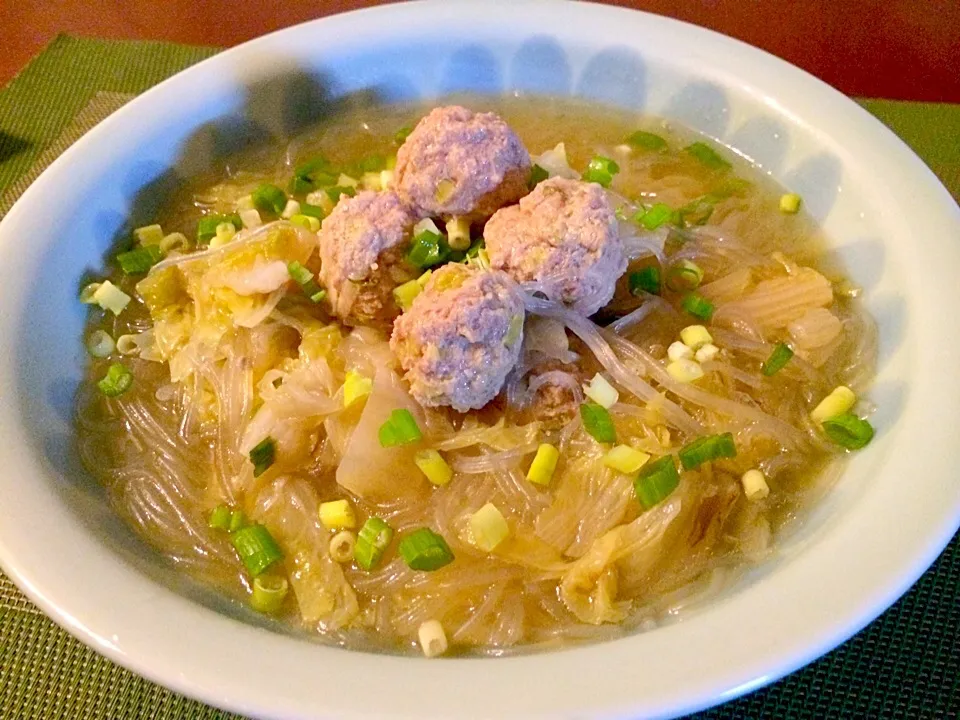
{"x": 698, "y": 306}
{"x": 371, "y": 163}
{"x": 537, "y": 176}
{"x": 220, "y": 518}
{"x": 342, "y": 546}
{"x": 262, "y": 455}
{"x": 458, "y": 234}
{"x": 656, "y": 481}
{"x": 696, "y": 336}
{"x": 304, "y": 278}
{"x": 601, "y": 392}
{"x": 625, "y": 459}
{"x": 654, "y": 217}
{"x": 707, "y": 448}
{"x": 400, "y": 429}
{"x": 428, "y": 249}
{"x": 405, "y": 294}
{"x": 306, "y": 221}
{"x": 256, "y": 548}
{"x": 849, "y": 431}
{"x": 117, "y": 380}
{"x": 601, "y": 170}
{"x": 685, "y": 370}
{"x": 401, "y": 135}
{"x": 433, "y": 639}
{"x": 299, "y": 273}
{"x": 337, "y": 515}
{"x": 544, "y": 464}
{"x": 696, "y": 212}
{"x": 423, "y": 549}
{"x": 778, "y": 359}
{"x": 597, "y": 422}
{"x": 488, "y": 527}
{"x": 106, "y": 295}
{"x": 683, "y": 276}
{"x": 207, "y": 226}
{"x": 269, "y": 198}
{"x": 475, "y": 247}
{"x": 100, "y": 344}
{"x": 643, "y": 140}
{"x": 432, "y": 464}
{"x": 790, "y": 203}
{"x": 372, "y": 541}
{"x": 839, "y": 401}
{"x": 356, "y": 385}
{"x": 238, "y": 521}
{"x": 645, "y": 280}
{"x": 269, "y": 592}
{"x": 312, "y": 174}
{"x": 336, "y": 191}
{"x": 314, "y": 211}
{"x": 707, "y": 156}
{"x": 149, "y": 235}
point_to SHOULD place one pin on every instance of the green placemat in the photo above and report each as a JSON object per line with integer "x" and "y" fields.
{"x": 906, "y": 664}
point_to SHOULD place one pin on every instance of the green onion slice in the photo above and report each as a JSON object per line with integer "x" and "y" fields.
{"x": 848, "y": 431}
{"x": 705, "y": 449}
{"x": 256, "y": 548}
{"x": 646, "y": 280}
{"x": 707, "y": 156}
{"x": 656, "y": 481}
{"x": 140, "y": 259}
{"x": 683, "y": 276}
{"x": 654, "y": 217}
{"x": 372, "y": 542}
{"x": 220, "y": 518}
{"x": 778, "y": 359}
{"x": 402, "y": 134}
{"x": 312, "y": 174}
{"x": 269, "y": 592}
{"x": 698, "y": 306}
{"x": 597, "y": 421}
{"x": 299, "y": 273}
{"x": 117, "y": 380}
{"x": 100, "y": 344}
{"x": 428, "y": 249}
{"x": 238, "y": 520}
{"x": 336, "y": 191}
{"x": 262, "y": 455}
{"x": 207, "y": 226}
{"x": 695, "y": 213}
{"x": 643, "y": 140}
{"x": 601, "y": 170}
{"x": 312, "y": 211}
{"x": 269, "y": 198}
{"x": 537, "y": 176}
{"x": 400, "y": 429}
{"x": 423, "y": 549}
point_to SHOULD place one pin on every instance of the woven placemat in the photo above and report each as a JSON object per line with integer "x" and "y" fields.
{"x": 906, "y": 664}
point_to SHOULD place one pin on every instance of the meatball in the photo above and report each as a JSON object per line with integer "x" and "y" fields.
{"x": 460, "y": 163}
{"x": 362, "y": 245}
{"x": 461, "y": 337}
{"x": 563, "y": 236}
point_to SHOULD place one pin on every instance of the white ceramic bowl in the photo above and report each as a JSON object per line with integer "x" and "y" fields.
{"x": 896, "y": 508}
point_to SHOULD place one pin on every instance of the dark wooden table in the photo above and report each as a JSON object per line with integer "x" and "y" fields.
{"x": 898, "y": 49}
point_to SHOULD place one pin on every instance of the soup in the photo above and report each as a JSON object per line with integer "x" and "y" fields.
{"x": 506, "y": 381}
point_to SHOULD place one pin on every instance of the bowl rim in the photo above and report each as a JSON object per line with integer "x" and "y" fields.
{"x": 206, "y": 660}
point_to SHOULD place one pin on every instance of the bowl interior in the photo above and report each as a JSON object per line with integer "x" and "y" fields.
{"x": 122, "y": 172}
